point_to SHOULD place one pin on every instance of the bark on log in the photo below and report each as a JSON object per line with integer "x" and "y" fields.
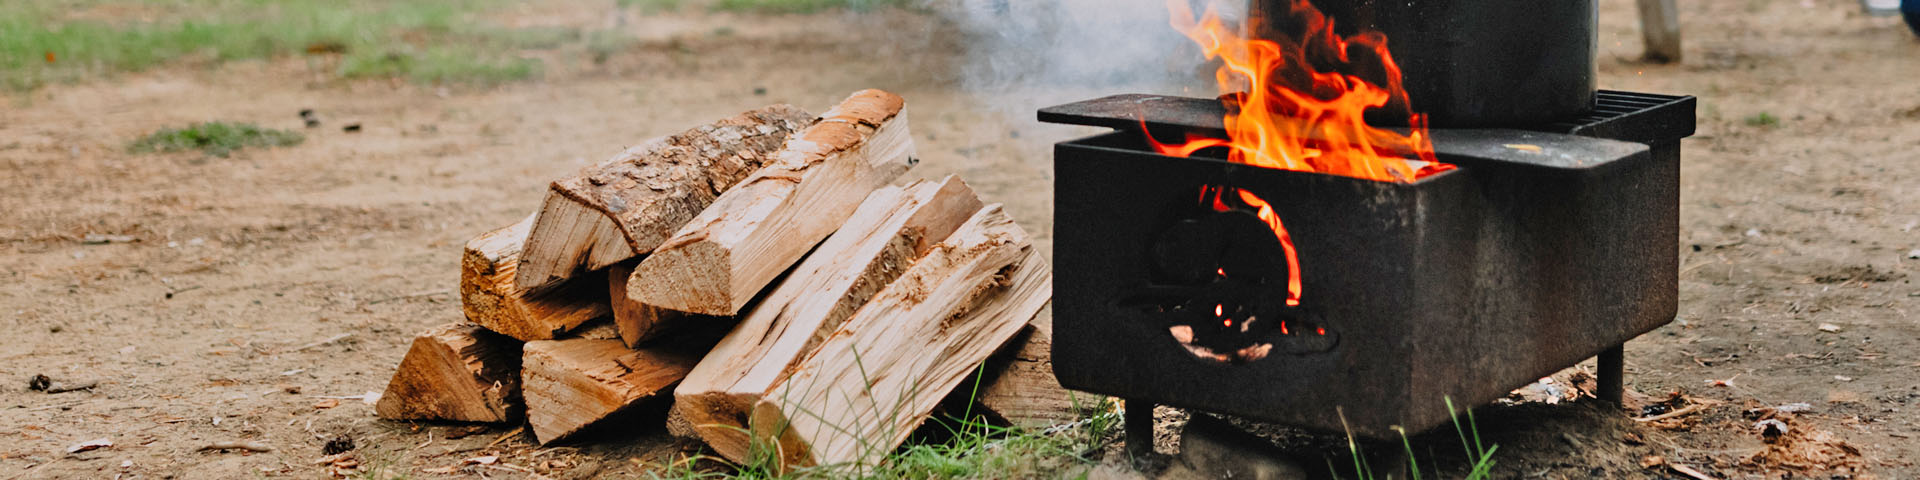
{"x": 457, "y": 372}
{"x": 1019, "y": 388}
{"x": 570, "y": 384}
{"x": 883, "y": 238}
{"x": 637, "y": 322}
{"x": 629, "y": 204}
{"x": 490, "y": 298}
{"x": 753, "y": 232}
{"x": 881, "y": 373}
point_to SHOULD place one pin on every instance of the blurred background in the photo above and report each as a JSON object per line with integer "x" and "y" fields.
{"x": 192, "y": 188}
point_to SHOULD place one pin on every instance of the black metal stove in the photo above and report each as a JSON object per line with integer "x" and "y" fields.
{"x": 1545, "y": 247}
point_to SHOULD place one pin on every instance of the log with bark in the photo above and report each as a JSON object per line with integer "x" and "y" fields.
{"x": 628, "y": 205}
{"x": 457, "y": 372}
{"x": 877, "y": 377}
{"x": 721, "y": 259}
{"x": 573, "y": 383}
{"x": 883, "y": 238}
{"x": 490, "y": 298}
{"x": 1018, "y": 387}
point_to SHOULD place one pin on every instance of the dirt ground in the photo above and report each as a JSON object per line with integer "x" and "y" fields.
{"x": 208, "y": 325}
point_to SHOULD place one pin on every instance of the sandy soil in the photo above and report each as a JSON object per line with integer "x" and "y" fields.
{"x": 201, "y": 328}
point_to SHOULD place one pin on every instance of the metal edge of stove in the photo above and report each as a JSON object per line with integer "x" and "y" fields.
{"x": 1626, "y": 117}
{"x": 1648, "y": 118}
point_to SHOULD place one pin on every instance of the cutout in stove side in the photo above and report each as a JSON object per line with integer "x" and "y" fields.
{"x": 1220, "y": 283}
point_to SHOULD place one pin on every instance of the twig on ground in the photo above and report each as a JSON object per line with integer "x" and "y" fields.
{"x": 508, "y": 435}
{"x": 64, "y": 388}
{"x": 1690, "y": 409}
{"x": 429, "y": 293}
{"x": 1688, "y": 471}
{"x": 328, "y": 340}
{"x": 251, "y": 446}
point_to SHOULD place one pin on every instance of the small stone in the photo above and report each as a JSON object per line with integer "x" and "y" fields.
{"x": 1914, "y": 254}
{"x": 1829, "y": 328}
{"x": 1843, "y": 378}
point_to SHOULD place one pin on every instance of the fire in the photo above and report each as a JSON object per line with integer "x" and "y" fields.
{"x": 1285, "y": 113}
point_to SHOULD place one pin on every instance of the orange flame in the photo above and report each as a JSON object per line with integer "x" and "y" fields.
{"x": 1285, "y": 113}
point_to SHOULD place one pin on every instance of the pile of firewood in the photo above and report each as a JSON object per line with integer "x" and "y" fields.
{"x": 765, "y": 275}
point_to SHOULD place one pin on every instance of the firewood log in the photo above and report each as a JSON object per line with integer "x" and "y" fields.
{"x": 571, "y": 384}
{"x": 884, "y": 237}
{"x": 457, "y": 372}
{"x": 756, "y": 230}
{"x": 1018, "y": 387}
{"x": 489, "y": 297}
{"x": 877, "y": 377}
{"x": 637, "y": 322}
{"x": 629, "y": 204}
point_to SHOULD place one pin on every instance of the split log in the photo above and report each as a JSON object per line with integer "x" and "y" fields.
{"x": 457, "y": 372}
{"x": 489, "y": 297}
{"x": 637, "y": 322}
{"x": 1019, "y": 388}
{"x": 571, "y": 384}
{"x": 753, "y": 232}
{"x": 885, "y": 235}
{"x": 877, "y": 377}
{"x": 627, "y": 205}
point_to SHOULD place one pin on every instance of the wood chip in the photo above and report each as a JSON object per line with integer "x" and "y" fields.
{"x": 90, "y": 445}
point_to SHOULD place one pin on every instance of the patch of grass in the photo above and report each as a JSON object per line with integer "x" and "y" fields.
{"x": 52, "y": 41}
{"x": 968, "y": 447}
{"x": 1481, "y": 457}
{"x": 217, "y": 139}
{"x": 651, "y": 5}
{"x": 1762, "y": 119}
{"x": 808, "y": 6}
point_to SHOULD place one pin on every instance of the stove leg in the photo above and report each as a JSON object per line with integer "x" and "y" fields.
{"x": 1612, "y": 370}
{"x": 1139, "y": 425}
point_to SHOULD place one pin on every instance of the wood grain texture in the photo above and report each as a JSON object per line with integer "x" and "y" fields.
{"x": 1019, "y": 388}
{"x": 638, "y": 322}
{"x": 456, "y": 372}
{"x": 571, "y": 384}
{"x": 489, "y": 297}
{"x": 878, "y": 376}
{"x": 883, "y": 238}
{"x": 724, "y": 257}
{"x": 629, "y": 204}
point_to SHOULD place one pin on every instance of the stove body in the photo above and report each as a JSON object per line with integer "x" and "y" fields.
{"x": 1544, "y": 248}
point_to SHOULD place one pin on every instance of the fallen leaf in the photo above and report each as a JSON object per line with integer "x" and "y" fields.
{"x": 90, "y": 445}
{"x": 482, "y": 460}
{"x": 327, "y": 403}
{"x": 1843, "y": 378}
{"x": 1829, "y": 328}
{"x": 1651, "y": 461}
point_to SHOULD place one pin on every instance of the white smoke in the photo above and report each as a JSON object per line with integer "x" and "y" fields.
{"x": 1024, "y": 55}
